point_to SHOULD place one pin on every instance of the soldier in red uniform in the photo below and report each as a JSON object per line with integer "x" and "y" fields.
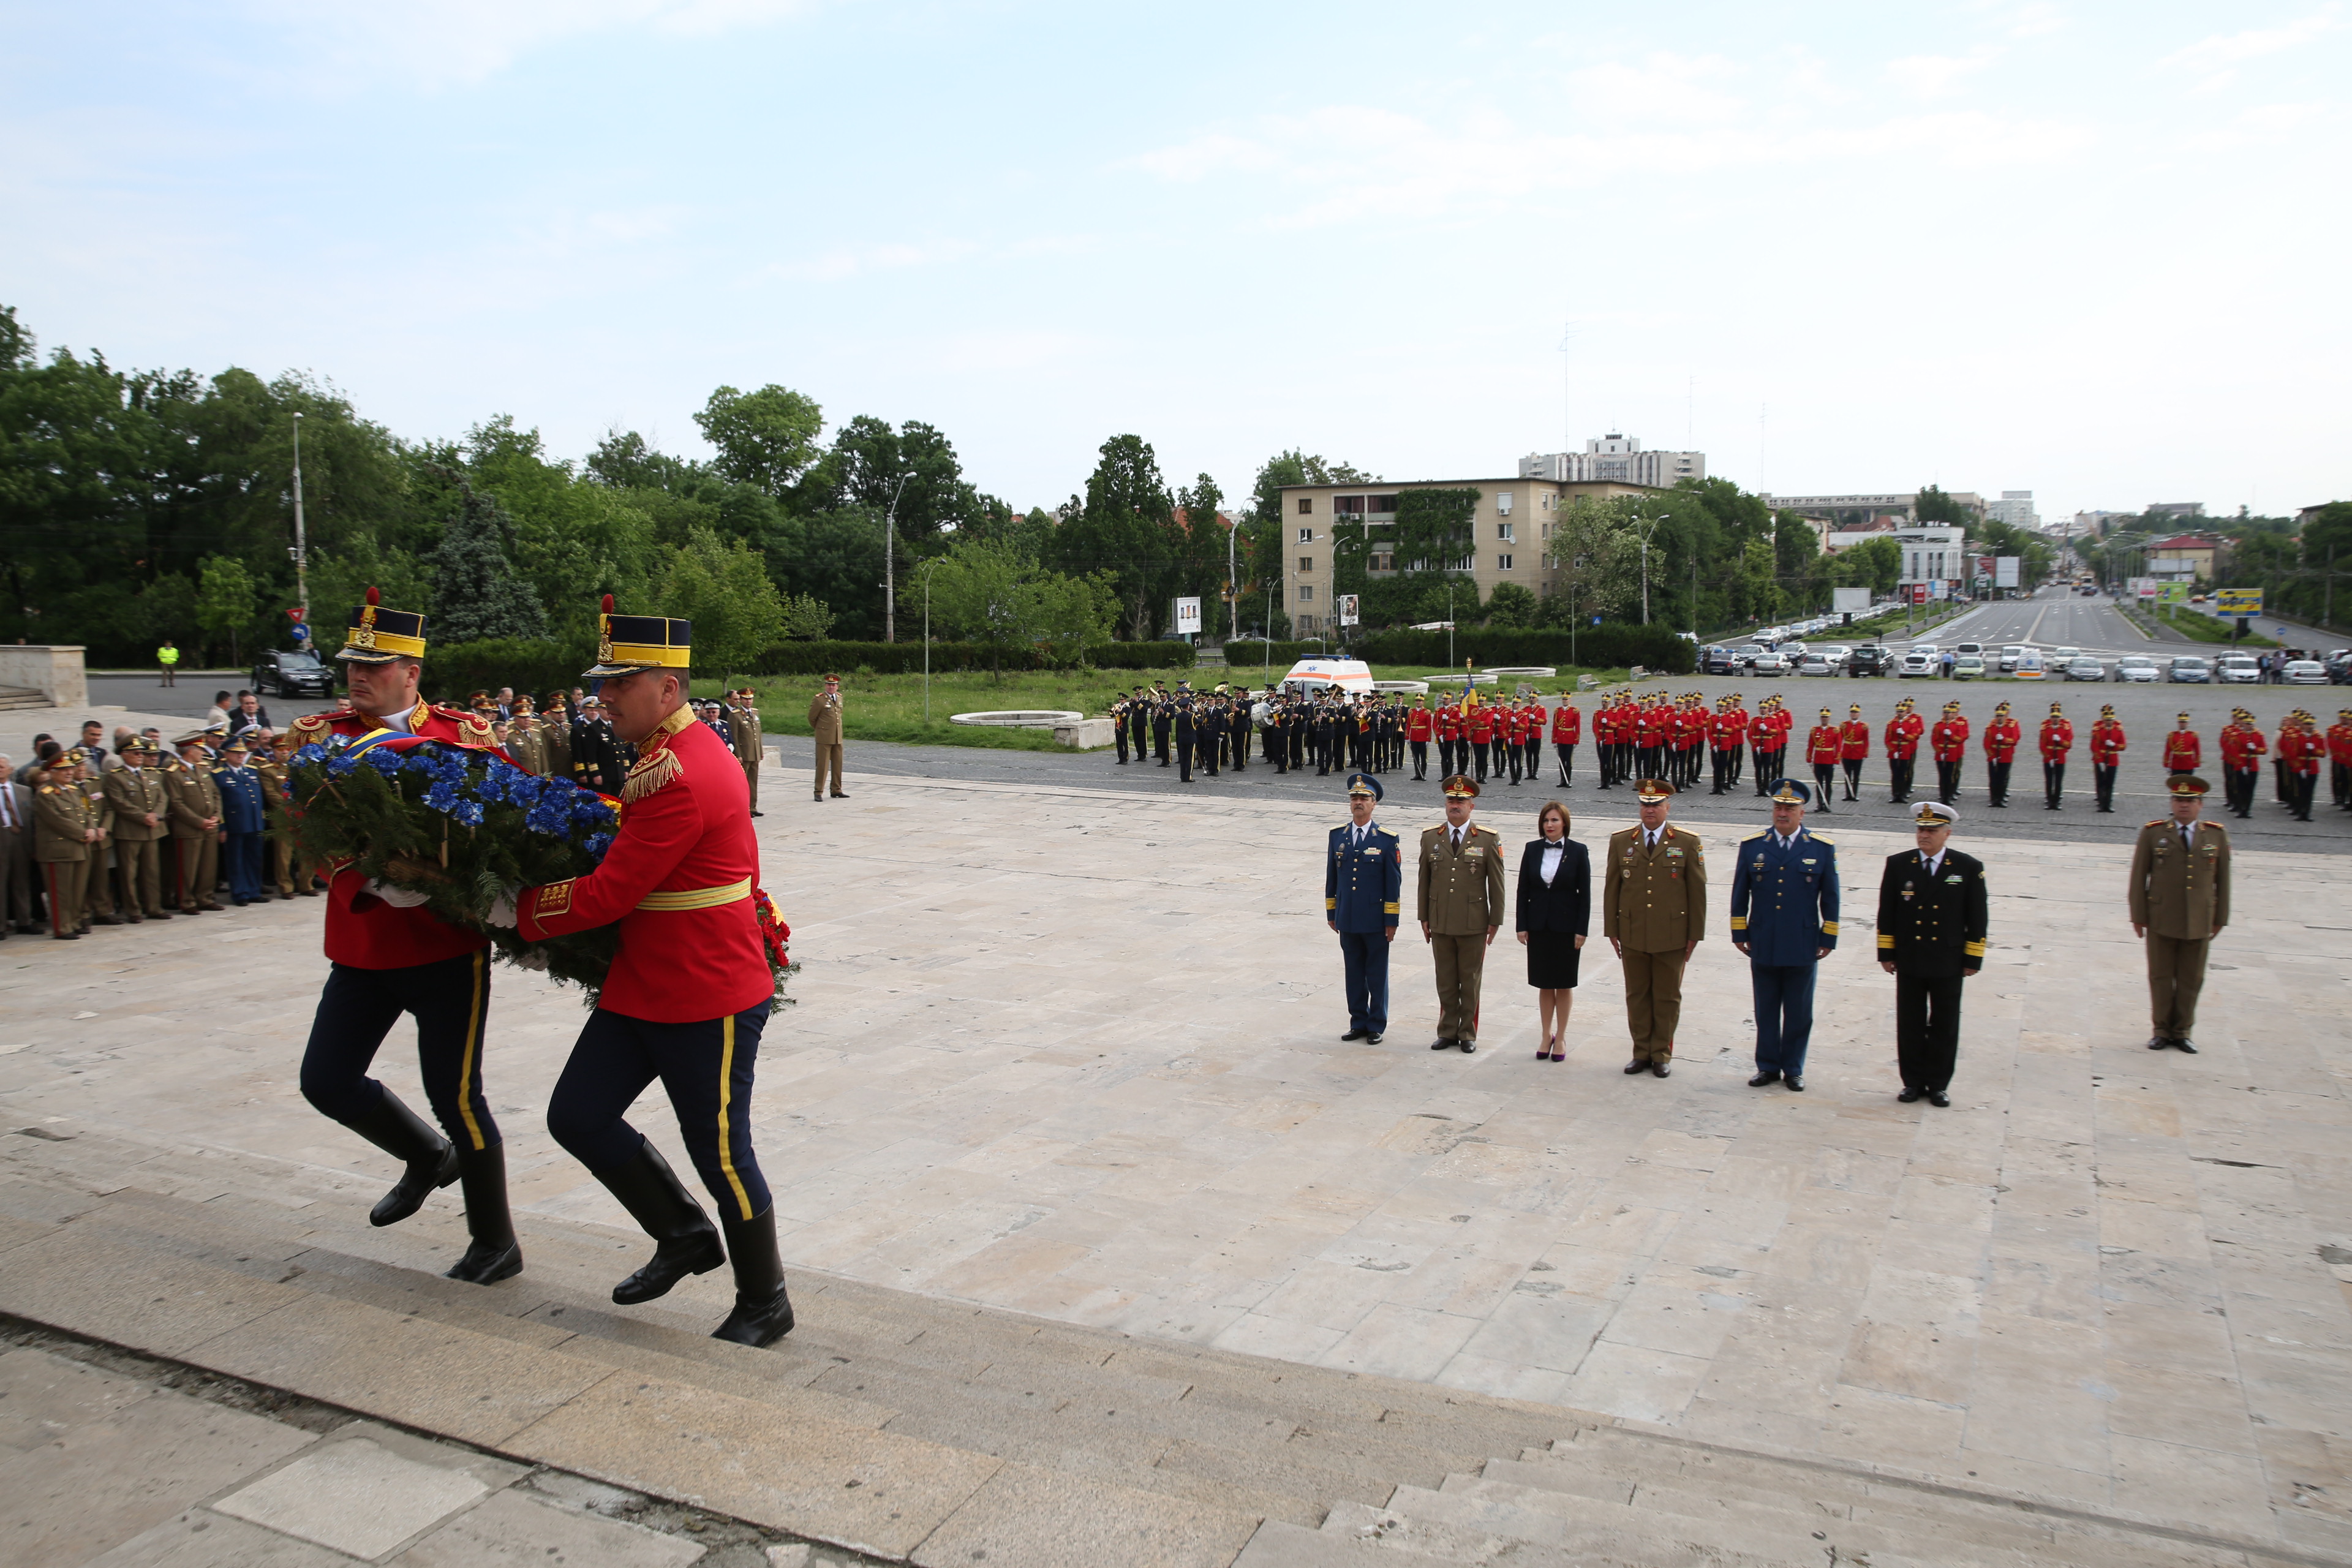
{"x": 1531, "y": 738}
{"x": 2057, "y": 740}
{"x": 1567, "y": 729}
{"x": 1903, "y": 733}
{"x": 2300, "y": 748}
{"x": 387, "y": 956}
{"x": 1418, "y": 727}
{"x": 1740, "y": 753}
{"x": 2182, "y": 749}
{"x": 1824, "y": 748}
{"x": 2106, "y": 755}
{"x": 689, "y": 990}
{"x": 1853, "y": 749}
{"x": 2242, "y": 746}
{"x": 1728, "y": 738}
{"x": 2339, "y": 758}
{"x": 1949, "y": 739}
{"x": 2002, "y": 738}
{"x": 1482, "y": 737}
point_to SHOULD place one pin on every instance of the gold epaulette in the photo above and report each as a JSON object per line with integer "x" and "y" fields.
{"x": 1820, "y": 839}
{"x": 657, "y": 771}
{"x": 312, "y": 724}
{"x": 2156, "y": 822}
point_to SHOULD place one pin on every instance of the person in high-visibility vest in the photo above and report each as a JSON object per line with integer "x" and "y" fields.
{"x": 168, "y": 656}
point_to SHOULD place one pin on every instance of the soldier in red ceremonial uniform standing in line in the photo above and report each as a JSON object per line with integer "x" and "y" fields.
{"x": 2182, "y": 749}
{"x": 2106, "y": 755}
{"x": 1903, "y": 733}
{"x": 388, "y": 956}
{"x": 1853, "y": 750}
{"x": 1417, "y": 727}
{"x": 2242, "y": 746}
{"x": 2339, "y": 758}
{"x": 1823, "y": 745}
{"x": 1950, "y": 740}
{"x": 2003, "y": 737}
{"x": 688, "y": 992}
{"x": 2057, "y": 740}
{"x": 1567, "y": 729}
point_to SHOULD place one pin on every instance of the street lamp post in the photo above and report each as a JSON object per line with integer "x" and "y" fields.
{"x": 1648, "y": 526}
{"x": 301, "y": 542}
{"x": 889, "y": 561}
{"x": 934, "y": 560}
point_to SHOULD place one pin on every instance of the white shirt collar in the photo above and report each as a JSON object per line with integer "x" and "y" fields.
{"x": 1936, "y": 862}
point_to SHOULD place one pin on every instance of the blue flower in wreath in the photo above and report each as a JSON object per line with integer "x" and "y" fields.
{"x": 587, "y": 811}
{"x": 492, "y": 785}
{"x": 383, "y": 760}
{"x": 309, "y": 753}
{"x": 340, "y": 766}
{"x": 442, "y": 796}
{"x": 470, "y": 813}
{"x": 597, "y": 845}
{"x": 547, "y": 817}
{"x": 417, "y": 760}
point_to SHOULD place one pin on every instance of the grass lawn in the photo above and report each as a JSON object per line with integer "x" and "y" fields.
{"x": 2199, "y": 626}
{"x": 890, "y": 707}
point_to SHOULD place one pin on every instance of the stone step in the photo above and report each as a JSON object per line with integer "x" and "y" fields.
{"x": 1490, "y": 1533}
{"x": 1280, "y": 1546}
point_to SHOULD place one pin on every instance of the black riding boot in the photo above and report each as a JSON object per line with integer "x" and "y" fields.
{"x": 494, "y": 1254}
{"x": 763, "y": 1313}
{"x": 431, "y": 1160}
{"x": 684, "y": 1240}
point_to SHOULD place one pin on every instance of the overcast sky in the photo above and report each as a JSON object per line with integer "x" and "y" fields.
{"x": 2098, "y": 252}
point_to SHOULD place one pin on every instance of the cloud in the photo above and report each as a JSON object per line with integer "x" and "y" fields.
{"x": 1935, "y": 76}
{"x": 842, "y": 263}
{"x": 2214, "y": 60}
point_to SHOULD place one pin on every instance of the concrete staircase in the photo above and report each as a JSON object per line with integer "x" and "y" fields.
{"x": 911, "y": 1429}
{"x": 16, "y": 698}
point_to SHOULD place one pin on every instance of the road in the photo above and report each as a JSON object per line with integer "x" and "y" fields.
{"x": 2052, "y": 618}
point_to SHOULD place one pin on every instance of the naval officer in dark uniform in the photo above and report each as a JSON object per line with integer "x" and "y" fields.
{"x": 1784, "y": 916}
{"x": 1363, "y": 885}
{"x": 1931, "y": 938}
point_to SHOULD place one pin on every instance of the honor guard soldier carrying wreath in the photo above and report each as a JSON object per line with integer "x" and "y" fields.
{"x": 1653, "y": 911}
{"x": 387, "y": 956}
{"x": 1460, "y": 901}
{"x": 688, "y": 992}
{"x": 1363, "y": 886}
{"x": 1931, "y": 938}
{"x": 2180, "y": 901}
{"x": 1784, "y": 916}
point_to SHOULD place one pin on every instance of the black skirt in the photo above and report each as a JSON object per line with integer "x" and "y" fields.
{"x": 1552, "y": 960}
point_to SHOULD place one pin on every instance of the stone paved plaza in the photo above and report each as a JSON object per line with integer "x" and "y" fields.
{"x": 1076, "y": 1053}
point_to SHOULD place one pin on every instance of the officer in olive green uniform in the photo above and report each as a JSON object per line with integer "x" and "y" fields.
{"x": 195, "y": 824}
{"x": 65, "y": 833}
{"x": 1654, "y": 911}
{"x": 743, "y": 729}
{"x": 142, "y": 823}
{"x": 98, "y": 875}
{"x": 1461, "y": 908}
{"x": 2179, "y": 898}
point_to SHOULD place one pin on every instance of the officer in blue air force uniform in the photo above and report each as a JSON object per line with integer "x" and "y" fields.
{"x": 243, "y": 821}
{"x": 1784, "y": 916}
{"x": 1363, "y": 882}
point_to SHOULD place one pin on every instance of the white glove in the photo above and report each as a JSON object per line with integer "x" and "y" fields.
{"x": 502, "y": 912}
{"x": 398, "y": 898}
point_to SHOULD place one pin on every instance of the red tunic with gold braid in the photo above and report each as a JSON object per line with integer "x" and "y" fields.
{"x": 679, "y": 877}
{"x": 362, "y": 931}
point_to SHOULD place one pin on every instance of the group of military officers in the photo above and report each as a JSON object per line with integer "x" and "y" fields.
{"x": 571, "y": 736}
{"x": 1932, "y": 920}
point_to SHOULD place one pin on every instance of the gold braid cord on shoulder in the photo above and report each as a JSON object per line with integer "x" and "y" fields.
{"x": 655, "y": 771}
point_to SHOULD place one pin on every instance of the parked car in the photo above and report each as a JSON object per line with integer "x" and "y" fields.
{"x": 1772, "y": 661}
{"x": 1814, "y": 664}
{"x": 287, "y": 673}
{"x": 2133, "y": 666}
{"x": 2188, "y": 670}
{"x": 2030, "y": 665}
{"x": 1968, "y": 667}
{"x": 1837, "y": 654}
{"x": 2305, "y": 672}
{"x": 1746, "y": 654}
{"x": 2237, "y": 669}
{"x": 1718, "y": 661}
{"x": 2008, "y": 652}
{"x": 2082, "y": 667}
{"x": 1870, "y": 659}
{"x": 2339, "y": 666}
{"x": 1918, "y": 661}
{"x": 2061, "y": 658}
{"x": 1794, "y": 649}
{"x": 1974, "y": 648}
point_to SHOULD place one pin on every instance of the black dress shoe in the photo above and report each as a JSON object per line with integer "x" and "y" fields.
{"x": 1937, "y": 1097}
{"x": 2157, "y": 1042}
{"x": 1355, "y": 1033}
{"x": 1469, "y": 1047}
{"x": 1659, "y": 1069}
{"x": 1636, "y": 1065}
{"x": 1769, "y": 1075}
{"x": 1796, "y": 1082}
{"x": 1909, "y": 1094}
{"x": 1370, "y": 1038}
{"x": 2185, "y": 1044}
{"x": 1440, "y": 1043}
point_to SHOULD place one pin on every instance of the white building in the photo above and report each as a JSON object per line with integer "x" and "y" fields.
{"x": 1932, "y": 551}
{"x": 1615, "y": 458}
{"x": 2014, "y": 507}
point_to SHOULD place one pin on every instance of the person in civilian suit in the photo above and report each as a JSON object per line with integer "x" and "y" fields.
{"x": 388, "y": 955}
{"x": 244, "y": 819}
{"x": 1931, "y": 938}
{"x": 689, "y": 990}
{"x": 1555, "y": 911}
{"x": 1784, "y": 916}
{"x": 1363, "y": 885}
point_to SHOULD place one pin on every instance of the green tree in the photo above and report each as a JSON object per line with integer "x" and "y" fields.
{"x": 1934, "y": 504}
{"x": 478, "y": 595}
{"x": 1199, "y": 506}
{"x": 722, "y": 586}
{"x": 990, "y": 593}
{"x": 1511, "y": 606}
{"x": 765, "y": 438}
{"x": 1125, "y": 527}
{"x": 226, "y": 600}
{"x": 804, "y": 619}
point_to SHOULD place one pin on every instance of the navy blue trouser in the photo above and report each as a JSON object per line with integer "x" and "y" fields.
{"x": 451, "y": 1002}
{"x": 706, "y": 1069}
{"x": 242, "y": 859}
{"x": 1784, "y": 1014}
{"x": 1366, "y": 952}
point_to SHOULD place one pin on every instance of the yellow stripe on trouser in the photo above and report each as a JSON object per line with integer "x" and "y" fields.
{"x": 466, "y": 1062}
{"x": 726, "y": 1088}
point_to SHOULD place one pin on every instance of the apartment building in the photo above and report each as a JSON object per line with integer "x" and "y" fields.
{"x": 1615, "y": 456}
{"x": 1510, "y": 535}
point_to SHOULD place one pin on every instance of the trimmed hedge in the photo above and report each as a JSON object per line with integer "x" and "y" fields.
{"x": 1607, "y": 647}
{"x": 906, "y": 657}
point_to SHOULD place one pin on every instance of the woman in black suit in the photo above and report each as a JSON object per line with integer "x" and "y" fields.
{"x": 1555, "y": 906}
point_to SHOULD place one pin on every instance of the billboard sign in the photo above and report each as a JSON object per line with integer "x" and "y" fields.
{"x": 1918, "y": 592}
{"x": 1188, "y": 617}
{"x": 2004, "y": 571}
{"x": 2237, "y": 601}
{"x": 1347, "y": 609}
{"x": 2172, "y": 593}
{"x": 1984, "y": 565}
{"x": 1849, "y": 601}
{"x": 2143, "y": 587}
